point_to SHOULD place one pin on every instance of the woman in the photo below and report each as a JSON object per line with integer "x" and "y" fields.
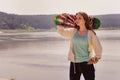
{"x": 83, "y": 41}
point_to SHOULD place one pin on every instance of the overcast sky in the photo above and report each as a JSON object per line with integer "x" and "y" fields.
{"x": 92, "y": 7}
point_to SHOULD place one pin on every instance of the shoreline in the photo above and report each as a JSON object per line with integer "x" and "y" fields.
{"x": 43, "y": 30}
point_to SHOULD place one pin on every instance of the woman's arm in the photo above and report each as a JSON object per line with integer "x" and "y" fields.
{"x": 97, "y": 49}
{"x": 66, "y": 33}
{"x": 96, "y": 46}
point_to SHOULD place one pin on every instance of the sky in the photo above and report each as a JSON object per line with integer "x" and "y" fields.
{"x": 31, "y": 7}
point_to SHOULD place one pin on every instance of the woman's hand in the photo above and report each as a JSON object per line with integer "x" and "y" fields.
{"x": 93, "y": 60}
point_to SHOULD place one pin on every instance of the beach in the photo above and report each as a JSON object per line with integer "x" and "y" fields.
{"x": 43, "y": 56}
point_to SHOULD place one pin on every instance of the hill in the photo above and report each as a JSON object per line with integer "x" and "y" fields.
{"x": 109, "y": 20}
{"x": 14, "y": 21}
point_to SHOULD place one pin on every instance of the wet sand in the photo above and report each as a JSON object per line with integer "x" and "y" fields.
{"x": 43, "y": 56}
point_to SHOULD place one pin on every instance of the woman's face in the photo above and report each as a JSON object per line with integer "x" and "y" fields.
{"x": 79, "y": 19}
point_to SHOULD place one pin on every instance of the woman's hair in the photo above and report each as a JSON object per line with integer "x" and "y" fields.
{"x": 87, "y": 20}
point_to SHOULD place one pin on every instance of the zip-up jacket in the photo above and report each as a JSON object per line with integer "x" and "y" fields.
{"x": 94, "y": 48}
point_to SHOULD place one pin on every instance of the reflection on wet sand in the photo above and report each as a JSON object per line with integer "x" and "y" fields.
{"x": 43, "y": 56}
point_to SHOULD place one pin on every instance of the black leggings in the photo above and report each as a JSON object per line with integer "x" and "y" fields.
{"x": 76, "y": 69}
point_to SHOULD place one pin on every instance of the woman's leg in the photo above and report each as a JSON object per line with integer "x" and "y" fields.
{"x": 88, "y": 71}
{"x": 75, "y": 71}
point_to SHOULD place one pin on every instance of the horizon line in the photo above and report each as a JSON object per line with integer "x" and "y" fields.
{"x": 53, "y": 13}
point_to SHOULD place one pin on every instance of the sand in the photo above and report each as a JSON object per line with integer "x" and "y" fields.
{"x": 43, "y": 56}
